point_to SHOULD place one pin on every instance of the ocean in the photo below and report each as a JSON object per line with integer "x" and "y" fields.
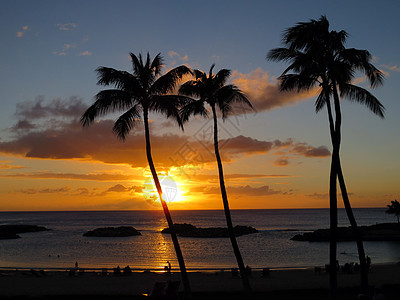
{"x": 271, "y": 247}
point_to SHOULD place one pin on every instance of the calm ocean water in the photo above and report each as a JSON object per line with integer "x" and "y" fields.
{"x": 271, "y": 247}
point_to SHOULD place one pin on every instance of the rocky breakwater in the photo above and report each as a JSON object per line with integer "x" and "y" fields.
{"x": 189, "y": 230}
{"x": 12, "y": 231}
{"x": 377, "y": 232}
{"x": 113, "y": 232}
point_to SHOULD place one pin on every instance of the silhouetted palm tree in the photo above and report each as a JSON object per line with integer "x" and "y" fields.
{"x": 318, "y": 57}
{"x": 136, "y": 94}
{"x": 211, "y": 89}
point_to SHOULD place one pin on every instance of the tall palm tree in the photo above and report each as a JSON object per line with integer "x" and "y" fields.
{"x": 136, "y": 94}
{"x": 318, "y": 57}
{"x": 212, "y": 89}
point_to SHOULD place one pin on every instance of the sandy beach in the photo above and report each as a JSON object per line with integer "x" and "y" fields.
{"x": 23, "y": 283}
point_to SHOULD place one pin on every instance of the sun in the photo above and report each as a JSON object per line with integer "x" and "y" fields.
{"x": 170, "y": 187}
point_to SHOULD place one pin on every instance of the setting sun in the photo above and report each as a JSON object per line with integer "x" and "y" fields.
{"x": 170, "y": 187}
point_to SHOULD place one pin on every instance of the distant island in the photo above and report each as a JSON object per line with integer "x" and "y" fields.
{"x": 113, "y": 232}
{"x": 378, "y": 232}
{"x": 11, "y": 231}
{"x": 189, "y": 230}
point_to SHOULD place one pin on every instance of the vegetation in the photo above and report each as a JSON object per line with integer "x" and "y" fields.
{"x": 318, "y": 58}
{"x": 137, "y": 94}
{"x": 212, "y": 90}
{"x": 394, "y": 209}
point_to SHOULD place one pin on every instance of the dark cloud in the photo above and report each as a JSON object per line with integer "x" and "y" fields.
{"x": 46, "y": 191}
{"x": 117, "y": 188}
{"x": 63, "y": 138}
{"x": 245, "y": 190}
{"x": 38, "y": 109}
{"x": 282, "y": 161}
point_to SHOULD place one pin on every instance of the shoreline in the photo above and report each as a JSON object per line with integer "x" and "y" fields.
{"x": 59, "y": 283}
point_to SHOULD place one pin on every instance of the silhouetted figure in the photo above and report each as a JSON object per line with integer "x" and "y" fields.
{"x": 127, "y": 271}
{"x": 368, "y": 259}
{"x": 117, "y": 271}
{"x": 248, "y": 271}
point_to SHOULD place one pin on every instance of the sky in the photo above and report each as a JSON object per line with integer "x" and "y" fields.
{"x": 276, "y": 156}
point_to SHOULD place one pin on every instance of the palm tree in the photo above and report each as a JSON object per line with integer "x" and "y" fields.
{"x": 211, "y": 89}
{"x": 318, "y": 57}
{"x": 394, "y": 209}
{"x": 137, "y": 94}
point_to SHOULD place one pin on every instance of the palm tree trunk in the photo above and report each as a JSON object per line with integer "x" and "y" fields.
{"x": 333, "y": 228}
{"x": 357, "y": 233}
{"x": 345, "y": 197}
{"x": 239, "y": 259}
{"x": 184, "y": 275}
{"x": 332, "y": 205}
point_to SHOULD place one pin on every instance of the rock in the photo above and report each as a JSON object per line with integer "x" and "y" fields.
{"x": 189, "y": 230}
{"x": 11, "y": 231}
{"x": 113, "y": 232}
{"x": 378, "y": 232}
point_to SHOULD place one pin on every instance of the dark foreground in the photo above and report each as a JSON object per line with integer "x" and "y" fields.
{"x": 390, "y": 292}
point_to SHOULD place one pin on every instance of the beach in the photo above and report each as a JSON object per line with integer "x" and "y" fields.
{"x": 307, "y": 282}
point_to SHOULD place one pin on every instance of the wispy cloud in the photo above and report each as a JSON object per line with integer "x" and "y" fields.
{"x": 21, "y": 33}
{"x": 264, "y": 92}
{"x": 394, "y": 68}
{"x": 85, "y": 53}
{"x": 176, "y": 56}
{"x": 65, "y": 49}
{"x": 66, "y": 26}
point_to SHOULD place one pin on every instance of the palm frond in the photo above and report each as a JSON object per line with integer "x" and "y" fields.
{"x": 321, "y": 101}
{"x": 191, "y": 88}
{"x": 107, "y": 101}
{"x": 222, "y": 76}
{"x": 169, "y": 81}
{"x": 157, "y": 64}
{"x": 199, "y": 74}
{"x": 362, "y": 96}
{"x": 360, "y": 60}
{"x": 119, "y": 79}
{"x": 137, "y": 63}
{"x": 282, "y": 54}
{"x": 169, "y": 105}
{"x": 210, "y": 73}
{"x": 127, "y": 121}
{"x": 229, "y": 95}
{"x": 299, "y": 82}
{"x": 193, "y": 108}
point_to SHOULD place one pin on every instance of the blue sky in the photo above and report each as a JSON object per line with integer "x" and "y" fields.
{"x": 50, "y": 49}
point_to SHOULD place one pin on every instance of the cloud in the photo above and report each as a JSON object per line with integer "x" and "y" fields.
{"x": 85, "y": 53}
{"x": 282, "y": 161}
{"x": 309, "y": 151}
{"x": 175, "y": 55}
{"x": 65, "y": 49}
{"x": 264, "y": 92}
{"x": 245, "y": 190}
{"x": 52, "y": 131}
{"x": 22, "y": 32}
{"x": 117, "y": 188}
{"x": 32, "y": 110}
{"x": 46, "y": 191}
{"x": 66, "y": 26}
{"x": 70, "y": 176}
{"x": 5, "y": 166}
{"x": 393, "y": 68}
